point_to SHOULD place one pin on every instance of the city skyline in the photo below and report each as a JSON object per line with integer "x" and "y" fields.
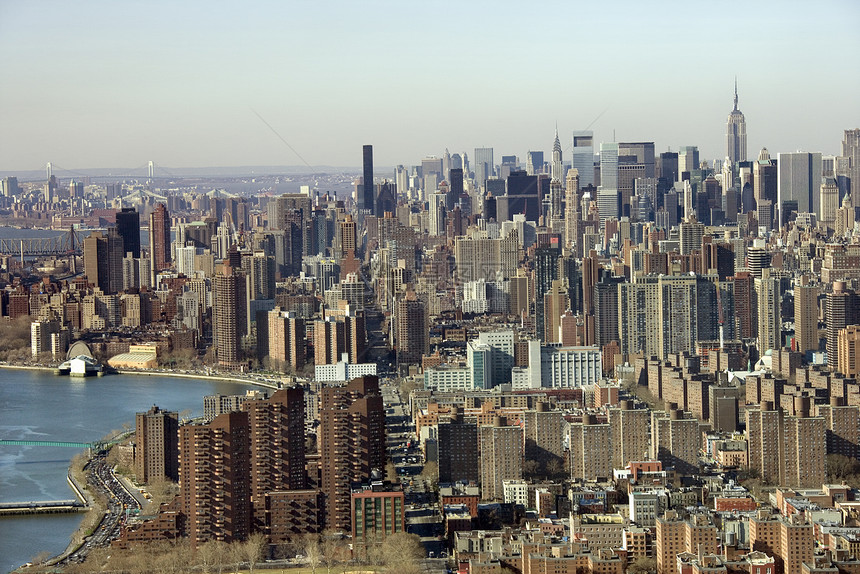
{"x": 106, "y": 85}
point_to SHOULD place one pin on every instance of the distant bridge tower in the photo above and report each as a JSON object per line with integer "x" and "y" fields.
{"x": 49, "y": 170}
{"x": 151, "y": 171}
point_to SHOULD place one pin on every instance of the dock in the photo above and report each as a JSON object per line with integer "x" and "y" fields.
{"x": 41, "y": 507}
{"x": 81, "y": 366}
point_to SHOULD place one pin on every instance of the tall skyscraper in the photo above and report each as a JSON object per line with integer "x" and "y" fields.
{"x": 571, "y": 208}
{"x": 352, "y": 443}
{"x": 545, "y": 272}
{"x": 413, "y": 339}
{"x": 736, "y": 134}
{"x": 678, "y": 314}
{"x": 841, "y": 310}
{"x": 606, "y": 310}
{"x": 103, "y": 260}
{"x": 688, "y": 160}
{"x": 798, "y": 183}
{"x": 667, "y": 167}
{"x": 260, "y": 270}
{"x": 639, "y": 304}
{"x": 367, "y": 201}
{"x": 347, "y": 236}
{"x": 534, "y": 162}
{"x": 805, "y": 316}
{"x": 636, "y": 163}
{"x": 583, "y": 156}
{"x": 851, "y": 150}
{"x": 128, "y": 227}
{"x": 159, "y": 238}
{"x": 764, "y": 178}
{"x": 608, "y": 198}
{"x": 10, "y": 186}
{"x": 523, "y": 196}
{"x": 769, "y": 312}
{"x": 446, "y": 166}
{"x": 557, "y": 173}
{"x": 229, "y": 316}
{"x": 456, "y": 187}
{"x": 829, "y": 202}
{"x": 484, "y": 166}
{"x": 609, "y": 165}
{"x": 556, "y": 302}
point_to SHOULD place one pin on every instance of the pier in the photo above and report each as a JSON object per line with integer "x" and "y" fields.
{"x": 41, "y": 507}
{"x": 97, "y": 446}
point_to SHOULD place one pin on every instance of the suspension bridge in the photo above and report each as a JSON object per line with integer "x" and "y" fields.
{"x": 148, "y": 171}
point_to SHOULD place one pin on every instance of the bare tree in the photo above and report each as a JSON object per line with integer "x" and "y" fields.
{"x": 332, "y": 550}
{"x": 312, "y": 551}
{"x": 15, "y": 336}
{"x": 163, "y": 490}
{"x": 401, "y": 552}
{"x": 643, "y": 565}
{"x": 390, "y": 472}
{"x": 530, "y": 468}
{"x": 430, "y": 470}
{"x": 554, "y": 467}
{"x": 41, "y": 557}
{"x": 252, "y": 550}
{"x": 214, "y": 556}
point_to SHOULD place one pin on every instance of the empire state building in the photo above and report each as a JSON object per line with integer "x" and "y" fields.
{"x": 736, "y": 134}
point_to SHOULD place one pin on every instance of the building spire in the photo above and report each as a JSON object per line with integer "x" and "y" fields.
{"x": 736, "y": 93}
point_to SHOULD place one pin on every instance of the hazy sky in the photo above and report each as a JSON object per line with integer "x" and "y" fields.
{"x": 117, "y": 83}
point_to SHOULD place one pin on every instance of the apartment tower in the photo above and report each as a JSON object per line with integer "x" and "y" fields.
{"x": 156, "y": 451}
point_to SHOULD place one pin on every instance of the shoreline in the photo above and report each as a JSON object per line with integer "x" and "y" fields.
{"x": 158, "y": 373}
{"x": 26, "y": 367}
{"x": 203, "y": 376}
{"x": 72, "y": 545}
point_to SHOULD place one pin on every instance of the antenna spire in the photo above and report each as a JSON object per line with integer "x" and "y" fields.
{"x": 736, "y": 93}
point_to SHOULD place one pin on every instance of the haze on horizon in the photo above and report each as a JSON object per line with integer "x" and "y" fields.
{"x": 96, "y": 84}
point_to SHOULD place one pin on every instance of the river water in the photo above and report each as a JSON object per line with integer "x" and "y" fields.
{"x": 39, "y": 406}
